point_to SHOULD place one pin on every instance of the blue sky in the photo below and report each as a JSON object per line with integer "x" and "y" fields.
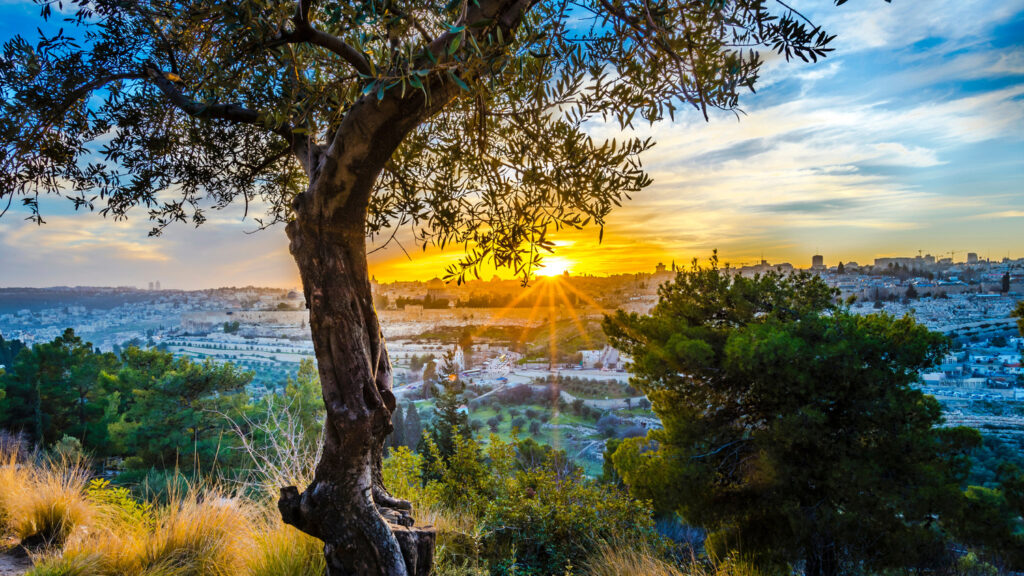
{"x": 910, "y": 137}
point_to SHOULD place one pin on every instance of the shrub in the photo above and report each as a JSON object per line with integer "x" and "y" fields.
{"x": 608, "y": 424}
{"x": 117, "y": 505}
{"x": 543, "y": 522}
{"x": 528, "y": 520}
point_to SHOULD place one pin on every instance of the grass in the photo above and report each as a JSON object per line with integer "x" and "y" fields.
{"x": 72, "y": 526}
{"x": 614, "y": 560}
{"x": 89, "y": 528}
{"x": 202, "y": 533}
{"x": 42, "y": 505}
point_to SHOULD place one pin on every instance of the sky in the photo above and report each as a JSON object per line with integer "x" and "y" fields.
{"x": 910, "y": 137}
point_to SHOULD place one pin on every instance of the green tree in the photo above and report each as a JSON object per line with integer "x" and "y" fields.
{"x": 9, "y": 350}
{"x": 991, "y": 520}
{"x": 302, "y": 397}
{"x": 791, "y": 430}
{"x": 912, "y": 292}
{"x": 1005, "y": 283}
{"x": 468, "y": 120}
{"x": 179, "y": 417}
{"x": 413, "y": 427}
{"x": 397, "y": 437}
{"x": 450, "y": 420}
{"x": 56, "y": 389}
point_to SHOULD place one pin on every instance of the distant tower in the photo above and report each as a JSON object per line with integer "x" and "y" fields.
{"x": 660, "y": 268}
{"x": 151, "y": 286}
{"x": 157, "y": 284}
{"x": 972, "y": 257}
{"x": 818, "y": 262}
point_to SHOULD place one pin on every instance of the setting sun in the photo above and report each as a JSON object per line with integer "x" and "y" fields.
{"x": 555, "y": 266}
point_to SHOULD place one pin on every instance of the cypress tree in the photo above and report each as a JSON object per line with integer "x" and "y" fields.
{"x": 397, "y": 436}
{"x": 413, "y": 427}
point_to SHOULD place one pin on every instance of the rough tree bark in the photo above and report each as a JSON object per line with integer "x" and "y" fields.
{"x": 366, "y": 531}
{"x": 347, "y": 505}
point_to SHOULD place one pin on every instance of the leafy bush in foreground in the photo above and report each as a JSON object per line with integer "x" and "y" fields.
{"x": 514, "y": 516}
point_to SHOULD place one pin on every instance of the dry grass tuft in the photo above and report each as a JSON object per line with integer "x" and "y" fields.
{"x": 14, "y": 486}
{"x": 281, "y": 550}
{"x": 613, "y": 560}
{"x": 198, "y": 534}
{"x": 42, "y": 505}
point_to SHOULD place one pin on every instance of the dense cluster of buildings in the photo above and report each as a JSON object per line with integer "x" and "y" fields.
{"x": 266, "y": 330}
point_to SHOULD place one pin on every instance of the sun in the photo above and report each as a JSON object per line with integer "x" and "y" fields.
{"x": 555, "y": 266}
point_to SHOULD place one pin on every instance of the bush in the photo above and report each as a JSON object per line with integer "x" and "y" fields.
{"x": 529, "y": 520}
{"x": 608, "y": 425}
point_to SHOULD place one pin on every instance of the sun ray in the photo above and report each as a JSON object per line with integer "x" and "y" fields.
{"x": 553, "y": 359}
{"x": 529, "y": 320}
{"x": 571, "y": 309}
{"x": 586, "y": 298}
{"x": 507, "y": 309}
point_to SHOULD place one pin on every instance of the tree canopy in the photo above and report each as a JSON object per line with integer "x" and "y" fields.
{"x": 181, "y": 106}
{"x": 792, "y": 431}
{"x": 155, "y": 410}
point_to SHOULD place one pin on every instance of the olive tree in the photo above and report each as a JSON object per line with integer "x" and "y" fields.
{"x": 469, "y": 122}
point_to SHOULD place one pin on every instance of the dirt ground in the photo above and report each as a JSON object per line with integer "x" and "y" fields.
{"x": 11, "y": 566}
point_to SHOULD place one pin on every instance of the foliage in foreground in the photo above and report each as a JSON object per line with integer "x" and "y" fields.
{"x": 503, "y": 512}
{"x": 498, "y": 511}
{"x": 77, "y": 526}
{"x": 152, "y": 409}
{"x": 792, "y": 432}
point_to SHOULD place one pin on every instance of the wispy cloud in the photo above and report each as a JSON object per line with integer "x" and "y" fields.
{"x": 909, "y": 136}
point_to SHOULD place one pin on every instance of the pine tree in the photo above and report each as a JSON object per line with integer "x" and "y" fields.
{"x": 779, "y": 407}
{"x": 397, "y": 436}
{"x": 449, "y": 421}
{"x": 1006, "y": 283}
{"x": 413, "y": 427}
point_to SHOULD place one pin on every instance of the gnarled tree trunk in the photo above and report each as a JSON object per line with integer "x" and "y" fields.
{"x": 365, "y": 530}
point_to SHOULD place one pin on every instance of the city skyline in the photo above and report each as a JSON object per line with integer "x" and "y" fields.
{"x": 908, "y": 137}
{"x": 559, "y": 267}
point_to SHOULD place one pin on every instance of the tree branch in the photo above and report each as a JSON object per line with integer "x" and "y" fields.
{"x": 300, "y": 145}
{"x": 83, "y": 90}
{"x": 305, "y": 32}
